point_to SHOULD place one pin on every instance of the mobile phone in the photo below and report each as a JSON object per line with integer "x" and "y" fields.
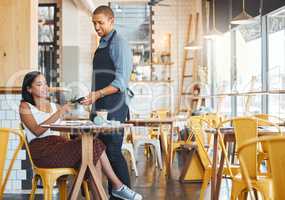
{"x": 77, "y": 100}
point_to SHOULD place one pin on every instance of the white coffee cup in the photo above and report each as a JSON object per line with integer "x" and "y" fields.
{"x": 102, "y": 113}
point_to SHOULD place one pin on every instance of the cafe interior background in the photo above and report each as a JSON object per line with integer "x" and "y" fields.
{"x": 190, "y": 57}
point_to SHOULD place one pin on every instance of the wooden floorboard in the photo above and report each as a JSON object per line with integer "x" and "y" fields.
{"x": 151, "y": 182}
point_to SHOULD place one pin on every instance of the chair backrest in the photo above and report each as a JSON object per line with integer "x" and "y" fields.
{"x": 213, "y": 119}
{"x": 160, "y": 113}
{"x": 246, "y": 128}
{"x": 195, "y": 124}
{"x": 277, "y": 161}
{"x": 128, "y": 134}
{"x": 268, "y": 117}
{"x": 4, "y": 140}
{"x": 23, "y": 135}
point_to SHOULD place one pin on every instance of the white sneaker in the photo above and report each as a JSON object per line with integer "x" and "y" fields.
{"x": 126, "y": 193}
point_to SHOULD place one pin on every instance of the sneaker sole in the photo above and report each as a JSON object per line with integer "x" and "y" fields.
{"x": 125, "y": 198}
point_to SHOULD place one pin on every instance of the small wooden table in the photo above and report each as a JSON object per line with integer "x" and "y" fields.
{"x": 87, "y": 132}
{"x": 156, "y": 122}
{"x": 229, "y": 136}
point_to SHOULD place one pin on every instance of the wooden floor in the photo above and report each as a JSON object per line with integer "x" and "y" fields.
{"x": 152, "y": 183}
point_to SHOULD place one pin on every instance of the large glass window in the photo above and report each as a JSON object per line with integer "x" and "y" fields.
{"x": 220, "y": 68}
{"x": 248, "y": 64}
{"x": 48, "y": 43}
{"x": 276, "y": 61}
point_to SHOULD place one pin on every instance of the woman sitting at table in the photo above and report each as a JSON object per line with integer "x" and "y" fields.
{"x": 50, "y": 150}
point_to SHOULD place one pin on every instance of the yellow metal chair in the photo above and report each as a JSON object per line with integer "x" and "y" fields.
{"x": 200, "y": 166}
{"x": 50, "y": 176}
{"x": 245, "y": 129}
{"x": 159, "y": 131}
{"x": 193, "y": 123}
{"x": 154, "y": 132}
{"x": 263, "y": 148}
{"x": 277, "y": 160}
{"x": 196, "y": 123}
{"x": 267, "y": 117}
{"x": 4, "y": 140}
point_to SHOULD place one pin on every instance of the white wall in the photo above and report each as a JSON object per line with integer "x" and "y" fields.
{"x": 70, "y": 24}
{"x": 174, "y": 20}
{"x": 9, "y": 118}
{"x": 78, "y": 31}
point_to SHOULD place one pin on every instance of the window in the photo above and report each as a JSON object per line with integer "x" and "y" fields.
{"x": 276, "y": 61}
{"x": 220, "y": 66}
{"x": 47, "y": 43}
{"x": 248, "y": 64}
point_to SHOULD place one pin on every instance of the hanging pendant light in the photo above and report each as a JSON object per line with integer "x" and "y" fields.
{"x": 196, "y": 44}
{"x": 243, "y": 17}
{"x": 214, "y": 32}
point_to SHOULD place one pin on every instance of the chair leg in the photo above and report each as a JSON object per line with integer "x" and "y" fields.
{"x": 268, "y": 167}
{"x": 173, "y": 155}
{"x": 154, "y": 154}
{"x": 86, "y": 191}
{"x": 235, "y": 191}
{"x": 48, "y": 192}
{"x": 34, "y": 187}
{"x": 136, "y": 148}
{"x": 265, "y": 192}
{"x": 243, "y": 195}
{"x": 134, "y": 164}
{"x": 62, "y": 185}
{"x": 158, "y": 154}
{"x": 206, "y": 181}
{"x": 48, "y": 183}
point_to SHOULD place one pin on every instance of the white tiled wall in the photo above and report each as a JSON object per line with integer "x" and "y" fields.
{"x": 171, "y": 19}
{"x": 174, "y": 19}
{"x": 9, "y": 118}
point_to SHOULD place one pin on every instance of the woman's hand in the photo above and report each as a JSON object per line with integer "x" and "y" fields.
{"x": 65, "y": 108}
{"x": 91, "y": 98}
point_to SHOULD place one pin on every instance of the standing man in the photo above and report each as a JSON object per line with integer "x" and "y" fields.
{"x": 112, "y": 65}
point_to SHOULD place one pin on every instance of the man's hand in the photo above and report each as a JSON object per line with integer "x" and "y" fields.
{"x": 91, "y": 98}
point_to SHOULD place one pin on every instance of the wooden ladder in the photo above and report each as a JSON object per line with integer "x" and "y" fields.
{"x": 186, "y": 59}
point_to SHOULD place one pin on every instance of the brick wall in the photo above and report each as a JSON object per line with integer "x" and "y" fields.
{"x": 171, "y": 19}
{"x": 174, "y": 19}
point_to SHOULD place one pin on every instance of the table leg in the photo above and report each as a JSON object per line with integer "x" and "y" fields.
{"x": 94, "y": 173}
{"x": 87, "y": 161}
{"x": 214, "y": 167}
{"x": 77, "y": 184}
{"x": 219, "y": 176}
{"x": 170, "y": 153}
{"x": 163, "y": 138}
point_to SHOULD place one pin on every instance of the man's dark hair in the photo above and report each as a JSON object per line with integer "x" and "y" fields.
{"x": 106, "y": 10}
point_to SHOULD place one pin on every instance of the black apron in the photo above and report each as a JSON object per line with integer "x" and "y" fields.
{"x": 103, "y": 74}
